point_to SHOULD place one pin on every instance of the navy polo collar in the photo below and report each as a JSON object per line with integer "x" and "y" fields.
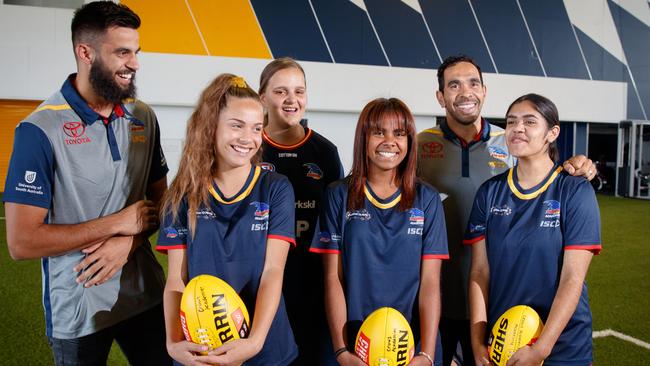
{"x": 79, "y": 105}
{"x": 449, "y": 134}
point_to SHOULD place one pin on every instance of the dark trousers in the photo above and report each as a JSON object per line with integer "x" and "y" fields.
{"x": 141, "y": 338}
{"x": 456, "y": 341}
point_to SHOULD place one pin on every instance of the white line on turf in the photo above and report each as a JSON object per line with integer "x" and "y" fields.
{"x": 625, "y": 337}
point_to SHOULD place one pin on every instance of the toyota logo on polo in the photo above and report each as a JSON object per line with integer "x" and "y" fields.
{"x": 432, "y": 147}
{"x": 74, "y": 129}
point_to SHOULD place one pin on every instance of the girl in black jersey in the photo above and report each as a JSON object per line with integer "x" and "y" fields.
{"x": 310, "y": 162}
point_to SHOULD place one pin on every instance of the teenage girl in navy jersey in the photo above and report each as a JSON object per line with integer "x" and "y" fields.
{"x": 225, "y": 216}
{"x": 533, "y": 231}
{"x": 382, "y": 235}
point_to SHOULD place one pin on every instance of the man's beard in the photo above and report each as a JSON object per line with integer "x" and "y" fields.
{"x": 105, "y": 86}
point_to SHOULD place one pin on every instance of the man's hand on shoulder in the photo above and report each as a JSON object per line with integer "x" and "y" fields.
{"x": 580, "y": 166}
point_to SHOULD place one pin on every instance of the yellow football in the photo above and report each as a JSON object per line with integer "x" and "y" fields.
{"x": 385, "y": 339}
{"x": 212, "y": 313}
{"x": 517, "y": 327}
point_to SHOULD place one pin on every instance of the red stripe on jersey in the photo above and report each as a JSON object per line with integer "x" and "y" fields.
{"x": 435, "y": 256}
{"x": 291, "y": 241}
{"x": 595, "y": 248}
{"x": 268, "y": 140}
{"x": 473, "y": 241}
{"x": 164, "y": 248}
{"x": 324, "y": 251}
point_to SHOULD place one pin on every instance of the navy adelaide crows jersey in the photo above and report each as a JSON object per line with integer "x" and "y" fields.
{"x": 526, "y": 233}
{"x": 381, "y": 248}
{"x": 230, "y": 242}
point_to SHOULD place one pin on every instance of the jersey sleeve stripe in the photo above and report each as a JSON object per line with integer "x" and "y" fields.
{"x": 474, "y": 240}
{"x": 596, "y": 248}
{"x": 290, "y": 240}
{"x": 324, "y": 251}
{"x": 164, "y": 248}
{"x": 435, "y": 256}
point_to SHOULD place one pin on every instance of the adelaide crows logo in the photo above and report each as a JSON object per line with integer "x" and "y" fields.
{"x": 497, "y": 153}
{"x": 552, "y": 209}
{"x": 313, "y": 171}
{"x": 261, "y": 210}
{"x": 416, "y": 216}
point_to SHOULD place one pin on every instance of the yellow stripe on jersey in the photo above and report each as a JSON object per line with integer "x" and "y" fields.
{"x": 378, "y": 204}
{"x": 530, "y": 196}
{"x": 52, "y": 107}
{"x": 243, "y": 195}
{"x": 433, "y": 131}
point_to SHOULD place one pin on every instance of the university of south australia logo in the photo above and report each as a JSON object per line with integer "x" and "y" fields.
{"x": 30, "y": 176}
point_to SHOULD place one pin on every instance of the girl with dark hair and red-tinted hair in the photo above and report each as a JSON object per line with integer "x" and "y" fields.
{"x": 382, "y": 235}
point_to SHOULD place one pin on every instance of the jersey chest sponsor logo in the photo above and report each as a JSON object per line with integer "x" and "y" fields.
{"x": 76, "y": 133}
{"x": 261, "y": 216}
{"x": 551, "y": 214}
{"x": 501, "y": 210}
{"x": 313, "y": 171}
{"x": 362, "y": 215}
{"x": 497, "y": 153}
{"x": 432, "y": 150}
{"x": 205, "y": 214}
{"x": 267, "y": 166}
{"x": 287, "y": 155}
{"x": 305, "y": 204}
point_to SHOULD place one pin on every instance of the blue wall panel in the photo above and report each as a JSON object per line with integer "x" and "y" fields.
{"x": 348, "y": 33}
{"x": 291, "y": 29}
{"x": 455, "y": 31}
{"x": 551, "y": 29}
{"x": 507, "y": 37}
{"x": 403, "y": 34}
{"x": 604, "y": 66}
{"x": 635, "y": 38}
{"x": 565, "y": 140}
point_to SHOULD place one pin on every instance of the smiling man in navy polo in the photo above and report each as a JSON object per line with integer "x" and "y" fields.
{"x": 82, "y": 164}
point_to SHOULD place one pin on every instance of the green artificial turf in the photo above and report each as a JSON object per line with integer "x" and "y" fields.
{"x": 618, "y": 280}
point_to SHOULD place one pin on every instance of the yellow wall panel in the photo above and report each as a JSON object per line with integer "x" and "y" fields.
{"x": 167, "y": 27}
{"x": 230, "y": 28}
{"x": 11, "y": 113}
